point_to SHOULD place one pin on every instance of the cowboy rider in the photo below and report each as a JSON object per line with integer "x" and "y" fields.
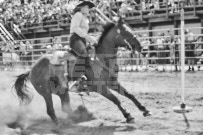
{"x": 79, "y": 28}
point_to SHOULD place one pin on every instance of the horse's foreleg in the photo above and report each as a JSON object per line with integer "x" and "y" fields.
{"x": 50, "y": 108}
{"x": 121, "y": 90}
{"x": 109, "y": 95}
{"x": 65, "y": 101}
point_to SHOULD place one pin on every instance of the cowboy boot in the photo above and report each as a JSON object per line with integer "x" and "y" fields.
{"x": 78, "y": 82}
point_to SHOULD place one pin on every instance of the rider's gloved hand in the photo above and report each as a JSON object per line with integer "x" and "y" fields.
{"x": 91, "y": 39}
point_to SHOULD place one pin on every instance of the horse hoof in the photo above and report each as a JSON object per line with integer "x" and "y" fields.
{"x": 56, "y": 121}
{"x": 130, "y": 120}
{"x": 147, "y": 113}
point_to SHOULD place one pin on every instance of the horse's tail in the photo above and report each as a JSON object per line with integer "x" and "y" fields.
{"x": 21, "y": 88}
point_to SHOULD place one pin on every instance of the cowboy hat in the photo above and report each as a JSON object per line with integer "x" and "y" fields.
{"x": 84, "y": 3}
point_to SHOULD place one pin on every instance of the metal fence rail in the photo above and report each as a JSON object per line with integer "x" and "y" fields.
{"x": 169, "y": 56}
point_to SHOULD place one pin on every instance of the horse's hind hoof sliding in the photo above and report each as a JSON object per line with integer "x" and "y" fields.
{"x": 147, "y": 113}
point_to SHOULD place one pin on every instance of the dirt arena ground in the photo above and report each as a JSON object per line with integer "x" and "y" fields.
{"x": 159, "y": 92}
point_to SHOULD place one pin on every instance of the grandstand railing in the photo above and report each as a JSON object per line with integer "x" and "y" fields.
{"x": 40, "y": 47}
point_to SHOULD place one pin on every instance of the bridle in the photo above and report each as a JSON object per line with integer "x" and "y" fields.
{"x": 126, "y": 40}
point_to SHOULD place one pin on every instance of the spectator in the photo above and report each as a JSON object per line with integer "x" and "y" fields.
{"x": 143, "y": 5}
{"x": 33, "y": 12}
{"x": 22, "y": 2}
{"x": 156, "y": 4}
{"x": 169, "y": 40}
{"x": 1, "y": 53}
{"x": 49, "y": 49}
{"x": 57, "y": 44}
{"x": 190, "y": 48}
{"x": 133, "y": 4}
{"x": 153, "y": 55}
{"x": 169, "y": 36}
{"x": 171, "y": 5}
{"x": 16, "y": 48}
{"x": 66, "y": 47}
{"x": 135, "y": 58}
{"x": 123, "y": 56}
{"x": 200, "y": 2}
{"x": 145, "y": 45}
{"x": 190, "y": 2}
{"x": 181, "y": 4}
{"x": 8, "y": 47}
{"x": 152, "y": 10}
{"x": 176, "y": 45}
{"x": 23, "y": 50}
{"x": 172, "y": 53}
{"x": 28, "y": 46}
{"x": 176, "y": 5}
{"x": 125, "y": 8}
{"x": 160, "y": 46}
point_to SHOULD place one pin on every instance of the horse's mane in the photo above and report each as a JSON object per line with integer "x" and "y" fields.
{"x": 107, "y": 28}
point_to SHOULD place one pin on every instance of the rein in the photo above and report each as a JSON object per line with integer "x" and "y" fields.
{"x": 103, "y": 64}
{"x": 108, "y": 48}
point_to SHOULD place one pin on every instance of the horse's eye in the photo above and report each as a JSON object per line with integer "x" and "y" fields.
{"x": 118, "y": 31}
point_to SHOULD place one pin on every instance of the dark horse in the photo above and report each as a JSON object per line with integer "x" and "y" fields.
{"x": 101, "y": 76}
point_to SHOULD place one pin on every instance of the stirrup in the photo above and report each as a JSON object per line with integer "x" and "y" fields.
{"x": 82, "y": 78}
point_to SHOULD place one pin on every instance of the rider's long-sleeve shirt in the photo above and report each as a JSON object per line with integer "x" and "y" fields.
{"x": 79, "y": 25}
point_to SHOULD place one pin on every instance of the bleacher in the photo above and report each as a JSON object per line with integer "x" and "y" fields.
{"x": 142, "y": 20}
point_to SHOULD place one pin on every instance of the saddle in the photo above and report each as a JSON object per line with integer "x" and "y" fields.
{"x": 68, "y": 59}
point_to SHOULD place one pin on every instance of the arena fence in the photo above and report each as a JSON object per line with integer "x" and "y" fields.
{"x": 156, "y": 55}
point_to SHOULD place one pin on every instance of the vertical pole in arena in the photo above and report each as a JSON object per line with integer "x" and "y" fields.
{"x": 183, "y": 108}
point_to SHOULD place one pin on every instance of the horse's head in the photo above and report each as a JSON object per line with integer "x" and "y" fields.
{"x": 125, "y": 37}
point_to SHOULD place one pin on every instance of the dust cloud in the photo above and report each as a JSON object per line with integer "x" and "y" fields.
{"x": 15, "y": 119}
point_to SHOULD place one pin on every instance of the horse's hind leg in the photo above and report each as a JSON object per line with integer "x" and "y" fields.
{"x": 109, "y": 95}
{"x": 65, "y": 101}
{"x": 121, "y": 90}
{"x": 50, "y": 108}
